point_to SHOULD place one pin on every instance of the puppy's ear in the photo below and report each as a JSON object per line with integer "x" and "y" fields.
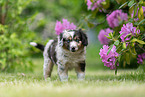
{"x": 84, "y": 37}
{"x": 60, "y": 39}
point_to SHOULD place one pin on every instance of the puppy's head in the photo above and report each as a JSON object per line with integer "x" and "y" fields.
{"x": 73, "y": 40}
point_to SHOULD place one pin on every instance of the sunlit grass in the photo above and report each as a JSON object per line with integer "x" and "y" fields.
{"x": 128, "y": 83}
{"x": 98, "y": 82}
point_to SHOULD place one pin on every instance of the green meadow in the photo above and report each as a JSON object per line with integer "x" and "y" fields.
{"x": 98, "y": 82}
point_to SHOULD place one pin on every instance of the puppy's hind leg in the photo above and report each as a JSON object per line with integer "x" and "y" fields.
{"x": 48, "y": 65}
{"x": 47, "y": 68}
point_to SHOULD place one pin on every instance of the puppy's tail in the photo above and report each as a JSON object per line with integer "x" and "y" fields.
{"x": 37, "y": 45}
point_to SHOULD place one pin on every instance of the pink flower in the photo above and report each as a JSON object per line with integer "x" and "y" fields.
{"x": 104, "y": 40}
{"x": 143, "y": 7}
{"x": 110, "y": 59}
{"x": 95, "y": 4}
{"x": 136, "y": 15}
{"x": 89, "y": 4}
{"x": 127, "y": 29}
{"x": 140, "y": 58}
{"x": 59, "y": 27}
{"x": 115, "y": 17}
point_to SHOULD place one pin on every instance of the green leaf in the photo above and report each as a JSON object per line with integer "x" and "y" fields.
{"x": 141, "y": 22}
{"x": 115, "y": 71}
{"x": 132, "y": 44}
{"x": 140, "y": 45}
{"x": 90, "y": 25}
{"x": 127, "y": 35}
{"x": 123, "y": 5}
{"x": 110, "y": 34}
{"x": 124, "y": 63}
{"x": 114, "y": 33}
{"x": 116, "y": 43}
{"x": 111, "y": 46}
{"x": 124, "y": 45}
{"x": 127, "y": 57}
{"x": 121, "y": 34}
{"x": 140, "y": 13}
{"x": 140, "y": 2}
{"x": 132, "y": 51}
{"x": 137, "y": 40}
{"x": 104, "y": 3}
{"x": 119, "y": 58}
{"x": 130, "y": 3}
{"x": 13, "y": 35}
{"x": 108, "y": 37}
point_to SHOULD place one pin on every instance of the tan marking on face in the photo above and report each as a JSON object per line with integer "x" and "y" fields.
{"x": 70, "y": 38}
{"x": 80, "y": 43}
{"x": 75, "y": 38}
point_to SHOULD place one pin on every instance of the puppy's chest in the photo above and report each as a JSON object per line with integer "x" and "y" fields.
{"x": 73, "y": 58}
{"x": 70, "y": 59}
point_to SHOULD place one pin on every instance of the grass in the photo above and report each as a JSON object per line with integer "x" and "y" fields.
{"x": 98, "y": 82}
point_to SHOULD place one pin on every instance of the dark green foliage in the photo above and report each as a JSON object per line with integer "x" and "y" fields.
{"x": 14, "y": 36}
{"x": 52, "y": 10}
{"x": 128, "y": 54}
{"x": 19, "y": 19}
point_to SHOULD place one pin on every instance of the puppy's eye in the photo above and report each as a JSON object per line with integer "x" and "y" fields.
{"x": 77, "y": 40}
{"x": 68, "y": 41}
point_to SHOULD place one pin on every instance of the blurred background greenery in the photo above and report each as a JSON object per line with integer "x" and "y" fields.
{"x": 22, "y": 21}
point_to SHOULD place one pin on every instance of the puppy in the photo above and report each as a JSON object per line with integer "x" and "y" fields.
{"x": 67, "y": 52}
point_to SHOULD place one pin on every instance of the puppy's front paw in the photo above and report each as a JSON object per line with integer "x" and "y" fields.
{"x": 81, "y": 76}
{"x": 63, "y": 78}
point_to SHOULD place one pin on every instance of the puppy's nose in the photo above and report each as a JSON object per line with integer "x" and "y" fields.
{"x": 73, "y": 49}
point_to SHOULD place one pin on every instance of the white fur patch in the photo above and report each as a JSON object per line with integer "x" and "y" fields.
{"x": 73, "y": 44}
{"x": 81, "y": 76}
{"x": 47, "y": 47}
{"x": 46, "y": 58}
{"x": 68, "y": 58}
{"x": 67, "y": 34}
{"x": 33, "y": 43}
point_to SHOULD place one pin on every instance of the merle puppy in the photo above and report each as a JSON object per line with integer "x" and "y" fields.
{"x": 67, "y": 52}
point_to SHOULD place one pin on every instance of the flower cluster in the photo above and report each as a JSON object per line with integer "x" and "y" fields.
{"x": 127, "y": 29}
{"x": 136, "y": 15}
{"x": 110, "y": 59}
{"x": 140, "y": 58}
{"x": 104, "y": 40}
{"x": 143, "y": 7}
{"x": 115, "y": 17}
{"x": 95, "y": 4}
{"x": 65, "y": 25}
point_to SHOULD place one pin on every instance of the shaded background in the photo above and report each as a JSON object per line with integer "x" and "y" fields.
{"x": 48, "y": 11}
{"x": 23, "y": 21}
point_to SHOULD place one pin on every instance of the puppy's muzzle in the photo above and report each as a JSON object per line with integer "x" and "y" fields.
{"x": 73, "y": 46}
{"x": 73, "y": 49}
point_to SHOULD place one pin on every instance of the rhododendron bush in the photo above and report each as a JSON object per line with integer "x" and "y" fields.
{"x": 65, "y": 25}
{"x": 123, "y": 39}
